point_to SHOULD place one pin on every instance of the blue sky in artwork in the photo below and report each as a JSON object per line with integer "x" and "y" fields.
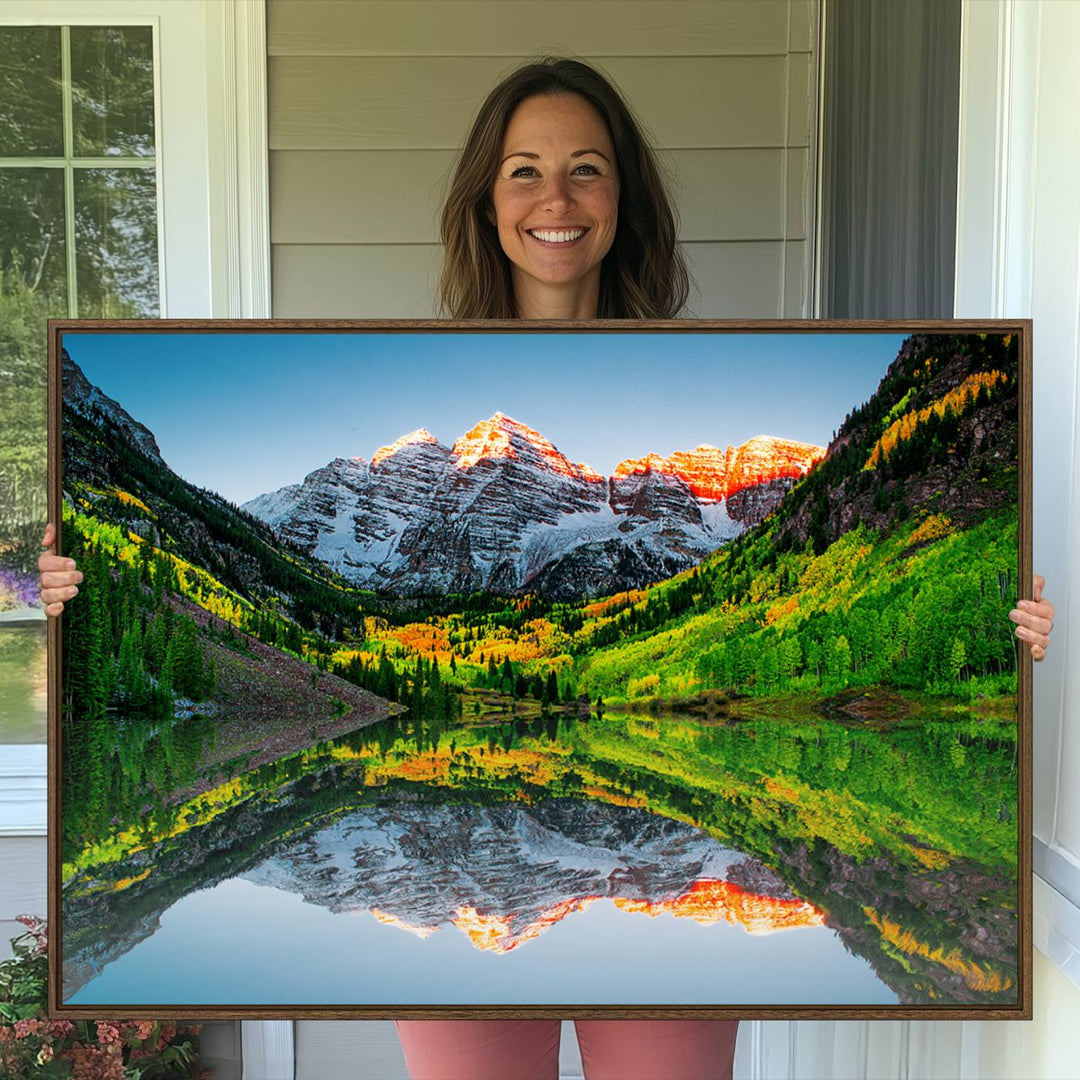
{"x": 245, "y": 413}
{"x": 238, "y": 943}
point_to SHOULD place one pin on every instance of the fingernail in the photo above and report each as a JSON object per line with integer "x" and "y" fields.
{"x": 80, "y": 576}
{"x": 72, "y": 591}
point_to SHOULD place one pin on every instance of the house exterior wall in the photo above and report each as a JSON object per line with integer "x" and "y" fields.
{"x": 369, "y": 101}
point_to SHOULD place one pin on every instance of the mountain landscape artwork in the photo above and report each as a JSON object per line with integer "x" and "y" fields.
{"x": 483, "y": 669}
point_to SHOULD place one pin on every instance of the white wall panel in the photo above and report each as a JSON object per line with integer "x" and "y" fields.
{"x": 1018, "y": 249}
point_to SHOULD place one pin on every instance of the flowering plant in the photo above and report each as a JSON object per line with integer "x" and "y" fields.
{"x": 32, "y": 1045}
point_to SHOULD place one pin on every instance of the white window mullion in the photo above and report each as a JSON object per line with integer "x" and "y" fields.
{"x": 69, "y": 173}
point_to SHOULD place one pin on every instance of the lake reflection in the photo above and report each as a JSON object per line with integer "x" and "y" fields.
{"x": 648, "y": 859}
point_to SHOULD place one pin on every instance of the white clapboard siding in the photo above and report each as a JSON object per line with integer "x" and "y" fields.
{"x": 394, "y": 196}
{"x": 22, "y": 884}
{"x": 370, "y": 99}
{"x": 526, "y": 27}
{"x": 355, "y": 281}
{"x": 428, "y": 102}
{"x": 367, "y": 281}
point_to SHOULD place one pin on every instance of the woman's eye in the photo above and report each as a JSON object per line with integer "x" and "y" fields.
{"x": 587, "y": 169}
{"x": 523, "y": 170}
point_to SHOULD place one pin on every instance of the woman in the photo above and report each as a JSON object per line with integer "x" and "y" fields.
{"x": 557, "y": 210}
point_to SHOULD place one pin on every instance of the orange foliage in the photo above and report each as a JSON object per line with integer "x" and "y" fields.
{"x": 616, "y": 602}
{"x": 613, "y": 798}
{"x": 423, "y": 638}
{"x": 131, "y": 500}
{"x": 957, "y": 398}
{"x": 774, "y": 787}
{"x": 934, "y": 527}
{"x": 976, "y": 977}
{"x": 930, "y": 858}
{"x": 778, "y": 611}
{"x": 124, "y": 883}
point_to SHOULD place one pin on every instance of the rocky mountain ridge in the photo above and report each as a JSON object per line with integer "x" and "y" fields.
{"x": 504, "y": 510}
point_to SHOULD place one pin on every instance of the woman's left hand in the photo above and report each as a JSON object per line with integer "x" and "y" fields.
{"x": 1034, "y": 620}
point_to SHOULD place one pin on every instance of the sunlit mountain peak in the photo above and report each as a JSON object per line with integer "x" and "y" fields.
{"x": 420, "y": 435}
{"x": 707, "y": 902}
{"x": 497, "y": 933}
{"x": 502, "y": 436}
{"x": 710, "y": 901}
{"x": 712, "y": 473}
{"x": 392, "y": 920}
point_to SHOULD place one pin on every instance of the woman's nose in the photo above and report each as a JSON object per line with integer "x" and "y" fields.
{"x": 557, "y": 195}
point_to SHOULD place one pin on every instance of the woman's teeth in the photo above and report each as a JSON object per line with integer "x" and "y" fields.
{"x": 556, "y": 237}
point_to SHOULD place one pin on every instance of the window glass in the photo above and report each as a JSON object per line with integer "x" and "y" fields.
{"x": 112, "y": 91}
{"x": 116, "y": 243}
{"x": 31, "y": 114}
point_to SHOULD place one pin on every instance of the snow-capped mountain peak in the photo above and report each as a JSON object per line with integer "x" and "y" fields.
{"x": 504, "y": 509}
{"x": 414, "y": 438}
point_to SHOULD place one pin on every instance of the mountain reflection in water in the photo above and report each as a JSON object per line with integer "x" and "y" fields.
{"x": 502, "y": 833}
{"x": 502, "y": 875}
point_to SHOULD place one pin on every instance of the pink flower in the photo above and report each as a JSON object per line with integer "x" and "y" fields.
{"x": 6, "y": 1034}
{"x": 140, "y": 1029}
{"x": 31, "y": 922}
{"x": 107, "y": 1033}
{"x": 23, "y": 1028}
{"x": 94, "y": 1063}
{"x": 63, "y": 1029}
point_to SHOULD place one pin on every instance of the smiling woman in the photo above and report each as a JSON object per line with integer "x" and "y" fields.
{"x": 558, "y": 208}
{"x": 556, "y": 203}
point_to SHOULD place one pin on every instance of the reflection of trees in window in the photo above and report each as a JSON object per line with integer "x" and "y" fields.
{"x": 78, "y": 225}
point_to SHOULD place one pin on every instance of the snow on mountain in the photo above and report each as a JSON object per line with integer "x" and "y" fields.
{"x": 422, "y": 868}
{"x": 505, "y": 510}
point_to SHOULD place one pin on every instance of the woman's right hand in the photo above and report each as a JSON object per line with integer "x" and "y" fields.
{"x": 59, "y": 577}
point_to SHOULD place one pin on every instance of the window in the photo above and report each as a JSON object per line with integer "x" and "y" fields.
{"x": 78, "y": 238}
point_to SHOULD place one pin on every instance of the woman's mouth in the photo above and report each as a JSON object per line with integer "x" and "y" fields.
{"x": 555, "y": 237}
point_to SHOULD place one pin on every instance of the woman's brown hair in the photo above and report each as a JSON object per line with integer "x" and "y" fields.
{"x": 643, "y": 276}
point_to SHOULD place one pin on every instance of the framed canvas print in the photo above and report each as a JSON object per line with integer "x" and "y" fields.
{"x": 541, "y": 669}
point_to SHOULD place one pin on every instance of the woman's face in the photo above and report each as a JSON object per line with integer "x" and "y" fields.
{"x": 556, "y": 196}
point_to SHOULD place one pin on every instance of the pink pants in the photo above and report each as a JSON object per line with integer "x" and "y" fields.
{"x": 529, "y": 1049}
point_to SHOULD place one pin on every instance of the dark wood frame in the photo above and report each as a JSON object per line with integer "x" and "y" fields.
{"x": 1021, "y": 1011}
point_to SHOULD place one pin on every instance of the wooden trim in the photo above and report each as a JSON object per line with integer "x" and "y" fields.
{"x": 1021, "y": 1011}
{"x": 502, "y": 326}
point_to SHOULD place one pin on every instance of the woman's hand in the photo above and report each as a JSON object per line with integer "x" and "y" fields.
{"x": 59, "y": 578}
{"x": 1034, "y": 620}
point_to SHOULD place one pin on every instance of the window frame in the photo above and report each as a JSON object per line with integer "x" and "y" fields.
{"x": 70, "y": 162}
